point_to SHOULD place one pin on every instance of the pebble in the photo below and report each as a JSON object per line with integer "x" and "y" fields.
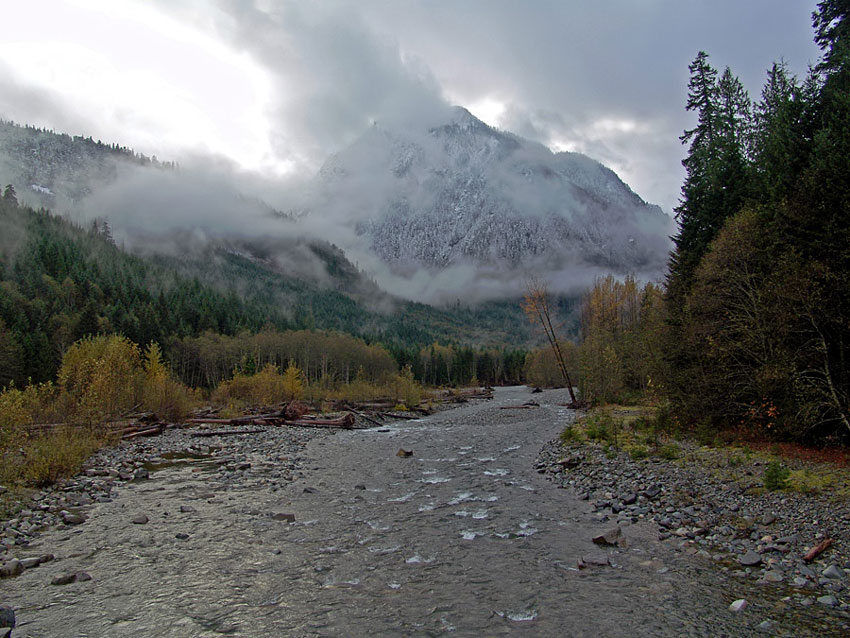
{"x": 12, "y": 568}
{"x": 139, "y": 519}
{"x": 7, "y": 617}
{"x": 750, "y": 559}
{"x": 834, "y": 572}
{"x": 739, "y": 605}
{"x": 68, "y": 578}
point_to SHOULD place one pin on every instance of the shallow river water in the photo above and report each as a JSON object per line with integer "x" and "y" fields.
{"x": 463, "y": 537}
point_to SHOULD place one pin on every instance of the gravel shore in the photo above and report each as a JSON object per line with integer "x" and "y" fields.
{"x": 749, "y": 533}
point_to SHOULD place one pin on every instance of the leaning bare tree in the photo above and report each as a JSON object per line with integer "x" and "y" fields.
{"x": 538, "y": 310}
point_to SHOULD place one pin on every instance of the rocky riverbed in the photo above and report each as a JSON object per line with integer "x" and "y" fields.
{"x": 315, "y": 533}
{"x": 750, "y": 533}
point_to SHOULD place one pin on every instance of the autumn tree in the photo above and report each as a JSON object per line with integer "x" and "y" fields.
{"x": 537, "y": 308}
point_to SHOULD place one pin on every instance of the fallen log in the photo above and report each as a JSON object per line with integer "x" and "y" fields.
{"x": 148, "y": 432}
{"x": 363, "y": 416}
{"x": 345, "y": 421}
{"x": 817, "y": 550}
{"x": 226, "y": 432}
{"x": 395, "y": 415}
{"x": 236, "y": 420}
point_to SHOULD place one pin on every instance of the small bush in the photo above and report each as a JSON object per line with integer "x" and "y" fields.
{"x": 668, "y": 452}
{"x": 570, "y": 435}
{"x": 776, "y": 476}
{"x": 638, "y": 452}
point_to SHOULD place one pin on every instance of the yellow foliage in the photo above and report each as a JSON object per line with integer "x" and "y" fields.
{"x": 102, "y": 376}
{"x": 293, "y": 386}
{"x": 162, "y": 394}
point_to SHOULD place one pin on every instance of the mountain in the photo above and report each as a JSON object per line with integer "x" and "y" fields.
{"x": 466, "y": 193}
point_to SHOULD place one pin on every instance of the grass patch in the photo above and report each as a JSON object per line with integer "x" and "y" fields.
{"x": 44, "y": 458}
{"x": 776, "y": 476}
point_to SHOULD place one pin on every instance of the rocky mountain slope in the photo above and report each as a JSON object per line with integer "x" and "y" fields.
{"x": 464, "y": 192}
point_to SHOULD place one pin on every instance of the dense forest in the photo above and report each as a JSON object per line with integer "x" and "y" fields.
{"x": 60, "y": 283}
{"x": 753, "y": 331}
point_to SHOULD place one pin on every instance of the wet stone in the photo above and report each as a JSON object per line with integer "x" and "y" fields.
{"x": 739, "y": 605}
{"x": 13, "y": 568}
{"x": 750, "y": 559}
{"x": 834, "y": 572}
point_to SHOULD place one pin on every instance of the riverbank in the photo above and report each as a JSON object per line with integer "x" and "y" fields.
{"x": 334, "y": 533}
{"x": 712, "y": 503}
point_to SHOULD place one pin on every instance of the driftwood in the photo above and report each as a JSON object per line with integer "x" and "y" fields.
{"x": 817, "y": 550}
{"x": 395, "y": 415}
{"x": 236, "y": 420}
{"x": 146, "y": 432}
{"x": 226, "y": 432}
{"x": 363, "y": 416}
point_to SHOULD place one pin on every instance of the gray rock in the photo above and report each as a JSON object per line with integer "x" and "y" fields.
{"x": 612, "y": 536}
{"x": 139, "y": 519}
{"x": 7, "y": 617}
{"x": 768, "y": 519}
{"x": 283, "y": 516}
{"x": 829, "y": 600}
{"x": 750, "y": 559}
{"x": 29, "y": 563}
{"x": 595, "y": 559}
{"x": 182, "y": 536}
{"x": 807, "y": 571}
{"x": 834, "y": 572}
{"x": 63, "y": 579}
{"x": 773, "y": 576}
{"x": 359, "y": 487}
{"x": 765, "y": 625}
{"x": 12, "y": 568}
{"x": 186, "y": 509}
{"x": 71, "y": 519}
{"x": 739, "y": 605}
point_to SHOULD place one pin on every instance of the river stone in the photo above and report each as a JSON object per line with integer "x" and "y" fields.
{"x": 595, "y": 559}
{"x": 71, "y": 519}
{"x": 612, "y": 536}
{"x": 829, "y": 600}
{"x": 768, "y": 519}
{"x": 29, "y": 563}
{"x": 739, "y": 605}
{"x": 186, "y": 509}
{"x": 181, "y": 536}
{"x": 139, "y": 519}
{"x": 773, "y": 576}
{"x": 765, "y": 625}
{"x": 750, "y": 559}
{"x": 63, "y": 579}
{"x": 834, "y": 572}
{"x": 7, "y": 617}
{"x": 282, "y": 516}
{"x": 12, "y": 568}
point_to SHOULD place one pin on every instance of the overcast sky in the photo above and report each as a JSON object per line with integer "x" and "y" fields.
{"x": 277, "y": 86}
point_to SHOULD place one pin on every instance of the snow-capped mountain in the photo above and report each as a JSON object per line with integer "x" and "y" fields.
{"x": 464, "y": 192}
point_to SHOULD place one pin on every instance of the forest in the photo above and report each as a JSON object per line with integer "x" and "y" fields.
{"x": 750, "y": 329}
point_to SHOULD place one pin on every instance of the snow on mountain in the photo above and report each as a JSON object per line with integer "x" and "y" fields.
{"x": 466, "y": 193}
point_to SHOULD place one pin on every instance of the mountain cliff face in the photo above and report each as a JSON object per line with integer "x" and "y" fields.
{"x": 464, "y": 192}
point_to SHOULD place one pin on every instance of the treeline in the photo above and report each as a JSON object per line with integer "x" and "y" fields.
{"x": 753, "y": 329}
{"x": 60, "y": 282}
